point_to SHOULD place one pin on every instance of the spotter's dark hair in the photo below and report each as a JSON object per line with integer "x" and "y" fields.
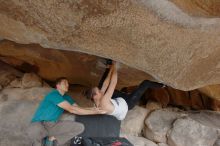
{"x": 59, "y": 80}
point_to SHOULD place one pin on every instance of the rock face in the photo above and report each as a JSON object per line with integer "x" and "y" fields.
{"x": 30, "y": 80}
{"x": 50, "y": 64}
{"x": 152, "y": 105}
{"x": 217, "y": 143}
{"x": 8, "y": 74}
{"x": 159, "y": 123}
{"x": 140, "y": 141}
{"x": 207, "y": 118}
{"x": 16, "y": 110}
{"x": 157, "y": 37}
{"x": 211, "y": 91}
{"x": 162, "y": 144}
{"x": 195, "y": 99}
{"x": 207, "y": 8}
{"x": 183, "y": 134}
{"x": 136, "y": 118}
{"x": 87, "y": 70}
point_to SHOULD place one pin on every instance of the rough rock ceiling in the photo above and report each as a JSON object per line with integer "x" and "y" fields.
{"x": 208, "y": 8}
{"x": 50, "y": 64}
{"x": 158, "y": 37}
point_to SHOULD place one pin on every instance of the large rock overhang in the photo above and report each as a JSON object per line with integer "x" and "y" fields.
{"x": 154, "y": 36}
{"x": 78, "y": 68}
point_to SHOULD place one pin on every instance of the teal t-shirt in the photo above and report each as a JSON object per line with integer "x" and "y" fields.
{"x": 48, "y": 109}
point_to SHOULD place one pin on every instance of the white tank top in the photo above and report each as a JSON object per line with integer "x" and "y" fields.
{"x": 120, "y": 108}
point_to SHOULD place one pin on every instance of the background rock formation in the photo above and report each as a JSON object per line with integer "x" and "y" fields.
{"x": 162, "y": 38}
{"x": 79, "y": 68}
{"x": 207, "y": 8}
{"x": 194, "y": 99}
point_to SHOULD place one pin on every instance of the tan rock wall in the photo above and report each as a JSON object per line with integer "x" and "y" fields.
{"x": 194, "y": 99}
{"x": 50, "y": 64}
{"x": 208, "y": 8}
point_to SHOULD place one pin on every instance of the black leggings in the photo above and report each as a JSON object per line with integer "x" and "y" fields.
{"x": 132, "y": 98}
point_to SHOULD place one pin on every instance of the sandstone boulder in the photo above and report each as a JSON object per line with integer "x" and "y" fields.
{"x": 153, "y": 105}
{"x": 162, "y": 144}
{"x": 16, "y": 83}
{"x": 207, "y": 118}
{"x": 30, "y": 80}
{"x": 133, "y": 124}
{"x": 217, "y": 143}
{"x": 7, "y": 74}
{"x": 158, "y": 123}
{"x": 187, "y": 132}
{"x": 16, "y": 112}
{"x": 210, "y": 8}
{"x": 140, "y": 141}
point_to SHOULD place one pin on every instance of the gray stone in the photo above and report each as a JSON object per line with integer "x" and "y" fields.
{"x": 217, "y": 142}
{"x": 187, "y": 132}
{"x": 140, "y": 141}
{"x": 159, "y": 122}
{"x": 133, "y": 124}
{"x": 153, "y": 105}
{"x": 7, "y": 74}
{"x": 16, "y": 113}
{"x": 162, "y": 144}
{"x": 208, "y": 118}
{"x": 30, "y": 80}
{"x": 16, "y": 83}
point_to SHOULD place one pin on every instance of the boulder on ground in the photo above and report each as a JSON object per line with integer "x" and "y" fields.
{"x": 159, "y": 122}
{"x": 217, "y": 142}
{"x": 7, "y": 74}
{"x": 16, "y": 83}
{"x": 162, "y": 144}
{"x": 30, "y": 80}
{"x": 140, "y": 141}
{"x": 133, "y": 124}
{"x": 16, "y": 111}
{"x": 188, "y": 132}
{"x": 153, "y": 105}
